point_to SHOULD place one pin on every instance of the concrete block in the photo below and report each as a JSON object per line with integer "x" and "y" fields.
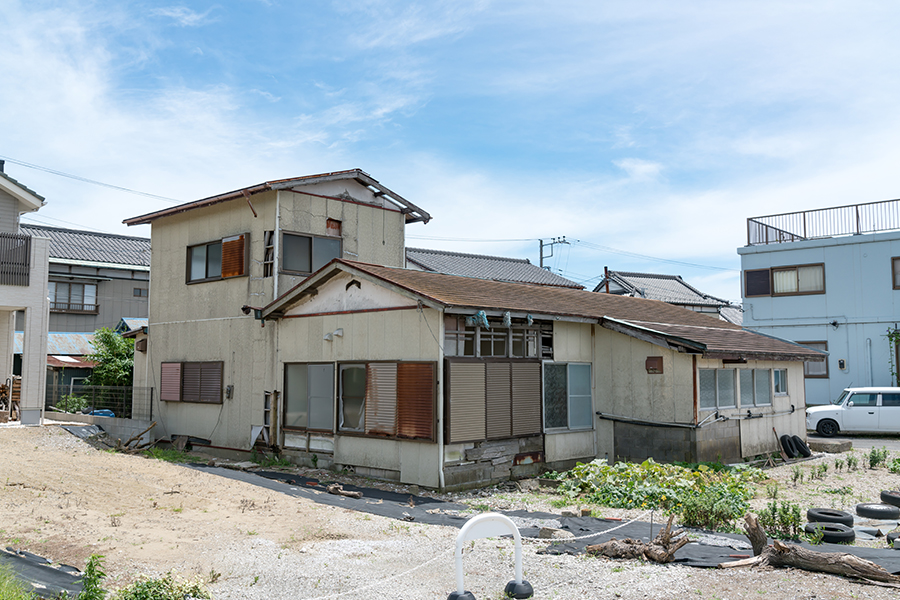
{"x": 830, "y": 446}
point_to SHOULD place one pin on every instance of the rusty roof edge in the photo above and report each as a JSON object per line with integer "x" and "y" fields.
{"x": 180, "y": 208}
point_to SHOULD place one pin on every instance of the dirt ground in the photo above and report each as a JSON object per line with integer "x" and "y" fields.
{"x": 65, "y": 500}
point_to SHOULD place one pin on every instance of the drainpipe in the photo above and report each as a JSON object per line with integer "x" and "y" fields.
{"x": 277, "y": 242}
{"x": 440, "y": 395}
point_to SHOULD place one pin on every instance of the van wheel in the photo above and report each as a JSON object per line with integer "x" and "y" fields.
{"x": 827, "y": 428}
{"x": 801, "y": 446}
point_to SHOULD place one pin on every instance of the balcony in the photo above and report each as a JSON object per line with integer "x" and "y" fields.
{"x": 71, "y": 307}
{"x": 15, "y": 259}
{"x": 854, "y": 219}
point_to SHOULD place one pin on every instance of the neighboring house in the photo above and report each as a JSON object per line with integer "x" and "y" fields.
{"x": 65, "y": 357}
{"x": 95, "y": 278}
{"x": 261, "y": 331}
{"x": 23, "y": 287}
{"x": 127, "y": 324}
{"x": 483, "y": 267}
{"x": 828, "y": 279}
{"x": 667, "y": 288}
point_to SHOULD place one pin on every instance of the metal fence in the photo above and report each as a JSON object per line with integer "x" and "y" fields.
{"x": 15, "y": 259}
{"x": 125, "y": 402}
{"x": 853, "y": 219}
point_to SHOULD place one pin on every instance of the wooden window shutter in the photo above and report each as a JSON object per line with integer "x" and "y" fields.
{"x": 234, "y": 254}
{"x": 381, "y": 398}
{"x": 498, "y": 400}
{"x": 466, "y": 402}
{"x": 211, "y": 382}
{"x": 526, "y": 398}
{"x": 170, "y": 382}
{"x": 190, "y": 388}
{"x": 415, "y": 400}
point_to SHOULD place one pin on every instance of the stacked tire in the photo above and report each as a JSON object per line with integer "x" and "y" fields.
{"x": 836, "y": 526}
{"x": 794, "y": 446}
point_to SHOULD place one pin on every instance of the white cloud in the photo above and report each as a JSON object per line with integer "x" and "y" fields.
{"x": 183, "y": 16}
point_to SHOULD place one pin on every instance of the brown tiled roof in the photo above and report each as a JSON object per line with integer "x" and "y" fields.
{"x": 452, "y": 290}
{"x": 714, "y": 337}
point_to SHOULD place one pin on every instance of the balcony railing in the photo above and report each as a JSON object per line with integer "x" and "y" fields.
{"x": 15, "y": 259}
{"x": 74, "y": 307}
{"x": 853, "y": 219}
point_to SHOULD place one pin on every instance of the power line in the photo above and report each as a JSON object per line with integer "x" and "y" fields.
{"x": 593, "y": 246}
{"x": 86, "y": 180}
{"x": 454, "y": 239}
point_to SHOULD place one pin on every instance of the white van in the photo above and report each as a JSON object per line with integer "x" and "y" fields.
{"x": 867, "y": 409}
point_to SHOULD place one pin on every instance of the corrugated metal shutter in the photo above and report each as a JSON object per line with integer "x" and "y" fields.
{"x": 466, "y": 402}
{"x": 381, "y": 398}
{"x": 415, "y": 400}
{"x": 170, "y": 382}
{"x": 211, "y": 382}
{"x": 526, "y": 398}
{"x": 190, "y": 382}
{"x": 233, "y": 255}
{"x": 498, "y": 400}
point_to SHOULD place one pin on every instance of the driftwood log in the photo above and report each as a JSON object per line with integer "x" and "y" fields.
{"x": 780, "y": 554}
{"x": 661, "y": 550}
{"x": 338, "y": 489}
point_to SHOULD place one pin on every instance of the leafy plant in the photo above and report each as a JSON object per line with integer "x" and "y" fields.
{"x": 781, "y": 520}
{"x": 796, "y": 475}
{"x": 269, "y": 461}
{"x": 92, "y": 579}
{"x": 114, "y": 358}
{"x": 167, "y": 587}
{"x": 839, "y": 465}
{"x": 73, "y": 403}
{"x": 171, "y": 455}
{"x": 894, "y": 466}
{"x": 852, "y": 461}
{"x": 877, "y": 457}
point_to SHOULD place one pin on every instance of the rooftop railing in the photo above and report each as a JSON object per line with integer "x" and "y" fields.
{"x": 853, "y": 219}
{"x": 15, "y": 259}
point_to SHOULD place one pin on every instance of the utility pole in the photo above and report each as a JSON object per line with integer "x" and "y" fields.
{"x": 550, "y": 244}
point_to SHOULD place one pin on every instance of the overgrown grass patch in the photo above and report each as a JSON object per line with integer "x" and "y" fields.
{"x": 702, "y": 495}
{"x": 172, "y": 455}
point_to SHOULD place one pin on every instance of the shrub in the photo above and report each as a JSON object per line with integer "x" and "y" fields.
{"x": 782, "y": 520}
{"x": 163, "y": 588}
{"x": 894, "y": 466}
{"x": 877, "y": 457}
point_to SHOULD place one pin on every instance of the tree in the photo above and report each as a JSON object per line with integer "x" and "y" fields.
{"x": 114, "y": 356}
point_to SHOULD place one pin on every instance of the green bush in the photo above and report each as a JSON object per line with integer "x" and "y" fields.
{"x": 782, "y": 520}
{"x": 73, "y": 403}
{"x": 164, "y": 588}
{"x": 894, "y": 467}
{"x": 674, "y": 488}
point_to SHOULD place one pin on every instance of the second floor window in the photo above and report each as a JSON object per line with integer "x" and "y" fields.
{"x": 785, "y": 281}
{"x": 307, "y": 253}
{"x": 219, "y": 259}
{"x": 72, "y": 297}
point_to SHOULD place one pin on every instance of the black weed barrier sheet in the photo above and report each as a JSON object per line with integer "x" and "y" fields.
{"x": 709, "y": 550}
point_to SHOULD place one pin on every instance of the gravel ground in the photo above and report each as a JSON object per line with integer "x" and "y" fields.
{"x": 65, "y": 500}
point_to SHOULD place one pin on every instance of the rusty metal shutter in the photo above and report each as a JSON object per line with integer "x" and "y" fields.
{"x": 526, "y": 398}
{"x": 381, "y": 398}
{"x": 466, "y": 402}
{"x": 190, "y": 382}
{"x": 498, "y": 400}
{"x": 211, "y": 382}
{"x": 415, "y": 400}
{"x": 170, "y": 382}
{"x": 234, "y": 255}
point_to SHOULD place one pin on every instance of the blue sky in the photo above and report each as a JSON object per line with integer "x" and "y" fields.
{"x": 645, "y": 132}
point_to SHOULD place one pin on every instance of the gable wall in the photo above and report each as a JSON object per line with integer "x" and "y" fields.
{"x": 9, "y": 213}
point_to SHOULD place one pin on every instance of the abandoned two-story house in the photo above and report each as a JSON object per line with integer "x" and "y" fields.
{"x": 23, "y": 287}
{"x": 282, "y": 314}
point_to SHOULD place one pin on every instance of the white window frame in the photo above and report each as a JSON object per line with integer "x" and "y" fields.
{"x": 735, "y": 386}
{"x": 571, "y": 398}
{"x": 780, "y": 382}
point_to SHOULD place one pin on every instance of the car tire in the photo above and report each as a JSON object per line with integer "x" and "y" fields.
{"x": 873, "y": 510}
{"x": 788, "y": 445}
{"x": 832, "y": 533}
{"x": 801, "y": 446}
{"x": 827, "y": 428}
{"x": 890, "y": 497}
{"x": 829, "y": 515}
{"x": 891, "y": 537}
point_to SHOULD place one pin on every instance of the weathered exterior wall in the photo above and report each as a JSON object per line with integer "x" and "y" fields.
{"x": 482, "y": 463}
{"x": 396, "y": 335}
{"x": 9, "y": 213}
